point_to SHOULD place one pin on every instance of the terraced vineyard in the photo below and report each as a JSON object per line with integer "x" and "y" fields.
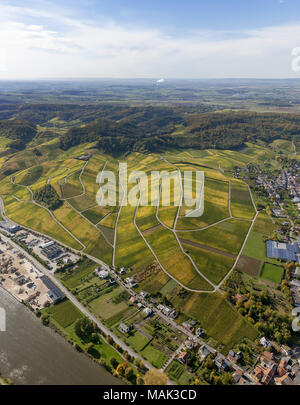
{"x": 165, "y": 251}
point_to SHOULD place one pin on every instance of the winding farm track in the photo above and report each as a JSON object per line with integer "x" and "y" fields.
{"x": 32, "y": 201}
{"x": 173, "y": 229}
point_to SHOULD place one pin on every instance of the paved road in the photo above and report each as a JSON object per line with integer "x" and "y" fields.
{"x": 82, "y": 308}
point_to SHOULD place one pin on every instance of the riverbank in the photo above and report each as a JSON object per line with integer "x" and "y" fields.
{"x": 31, "y": 354}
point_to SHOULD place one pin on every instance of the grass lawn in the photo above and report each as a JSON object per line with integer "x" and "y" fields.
{"x": 64, "y": 313}
{"x": 104, "y": 306}
{"x": 156, "y": 358}
{"x": 255, "y": 246}
{"x": 136, "y": 340}
{"x": 271, "y": 272}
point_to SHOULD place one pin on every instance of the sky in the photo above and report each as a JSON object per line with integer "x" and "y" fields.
{"x": 149, "y": 39}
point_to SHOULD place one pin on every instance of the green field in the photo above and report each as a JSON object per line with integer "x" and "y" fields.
{"x": 255, "y": 246}
{"x": 271, "y": 272}
{"x": 64, "y": 313}
{"x": 215, "y": 206}
{"x": 156, "y": 358}
{"x": 131, "y": 249}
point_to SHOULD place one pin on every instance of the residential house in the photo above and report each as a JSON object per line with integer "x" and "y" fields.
{"x": 133, "y": 300}
{"x": 124, "y": 328}
{"x": 144, "y": 294}
{"x": 148, "y": 311}
{"x": 220, "y": 363}
{"x": 286, "y": 379}
{"x": 199, "y": 332}
{"x": 103, "y": 274}
{"x": 188, "y": 326}
{"x": 183, "y": 357}
{"x": 265, "y": 343}
{"x": 189, "y": 344}
{"x": 283, "y": 366}
{"x": 203, "y": 352}
{"x": 234, "y": 356}
{"x": 264, "y": 372}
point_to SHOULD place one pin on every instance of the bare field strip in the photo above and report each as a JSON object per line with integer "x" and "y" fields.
{"x": 205, "y": 247}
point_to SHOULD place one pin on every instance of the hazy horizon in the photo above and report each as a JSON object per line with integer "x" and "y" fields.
{"x": 119, "y": 39}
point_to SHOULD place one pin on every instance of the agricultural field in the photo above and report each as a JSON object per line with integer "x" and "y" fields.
{"x": 131, "y": 250}
{"x": 64, "y": 313}
{"x": 77, "y": 275}
{"x": 178, "y": 373}
{"x": 272, "y": 272}
{"x": 213, "y": 265}
{"x": 206, "y": 247}
{"x": 215, "y": 314}
{"x": 255, "y": 247}
{"x": 39, "y": 219}
{"x": 91, "y": 238}
{"x": 216, "y": 194}
{"x": 241, "y": 204}
{"x": 166, "y": 248}
{"x": 227, "y": 236}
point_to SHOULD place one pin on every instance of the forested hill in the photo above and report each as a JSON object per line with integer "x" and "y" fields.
{"x": 121, "y": 128}
{"x": 19, "y": 131}
{"x": 153, "y": 132}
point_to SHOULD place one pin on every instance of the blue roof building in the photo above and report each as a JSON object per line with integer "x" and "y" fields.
{"x": 283, "y": 251}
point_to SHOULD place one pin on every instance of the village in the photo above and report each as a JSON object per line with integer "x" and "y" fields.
{"x": 271, "y": 363}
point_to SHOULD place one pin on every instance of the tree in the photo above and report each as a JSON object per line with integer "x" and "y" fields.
{"x": 90, "y": 348}
{"x": 83, "y": 328}
{"x": 128, "y": 373}
{"x": 45, "y": 320}
{"x": 139, "y": 381}
{"x": 155, "y": 377}
{"x": 113, "y": 362}
{"x": 95, "y": 337}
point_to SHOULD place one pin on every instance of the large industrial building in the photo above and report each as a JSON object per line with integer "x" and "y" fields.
{"x": 283, "y": 251}
{"x": 9, "y": 226}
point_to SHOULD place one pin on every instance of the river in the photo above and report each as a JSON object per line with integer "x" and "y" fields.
{"x": 31, "y": 353}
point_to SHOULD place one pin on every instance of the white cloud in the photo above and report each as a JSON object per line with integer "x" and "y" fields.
{"x": 76, "y": 48}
